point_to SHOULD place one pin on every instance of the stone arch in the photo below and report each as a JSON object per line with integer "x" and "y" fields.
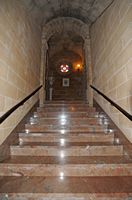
{"x": 61, "y": 24}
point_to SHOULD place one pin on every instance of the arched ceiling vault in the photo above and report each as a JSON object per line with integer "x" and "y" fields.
{"x": 67, "y": 41}
{"x": 65, "y": 35}
{"x": 65, "y": 24}
{"x": 85, "y": 10}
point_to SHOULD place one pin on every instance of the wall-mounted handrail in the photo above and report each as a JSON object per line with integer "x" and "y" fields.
{"x": 129, "y": 116}
{"x": 10, "y": 111}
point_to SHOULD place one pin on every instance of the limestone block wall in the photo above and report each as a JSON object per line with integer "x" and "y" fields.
{"x": 20, "y": 42}
{"x": 111, "y": 39}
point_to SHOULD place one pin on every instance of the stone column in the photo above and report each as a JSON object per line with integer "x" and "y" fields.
{"x": 88, "y": 62}
{"x": 44, "y": 49}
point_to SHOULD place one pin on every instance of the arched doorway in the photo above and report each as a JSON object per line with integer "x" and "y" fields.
{"x": 65, "y": 72}
{"x": 60, "y": 34}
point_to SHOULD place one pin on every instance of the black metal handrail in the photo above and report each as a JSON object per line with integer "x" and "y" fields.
{"x": 129, "y": 116}
{"x": 10, "y": 111}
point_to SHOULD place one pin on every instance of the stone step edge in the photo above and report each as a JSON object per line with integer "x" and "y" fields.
{"x": 67, "y": 107}
{"x": 66, "y": 170}
{"x": 69, "y": 112}
{"x": 68, "y": 134}
{"x": 88, "y": 119}
{"x": 43, "y": 137}
{"x": 68, "y": 196}
{"x": 69, "y": 151}
{"x": 67, "y": 125}
{"x": 87, "y": 112}
{"x": 65, "y": 133}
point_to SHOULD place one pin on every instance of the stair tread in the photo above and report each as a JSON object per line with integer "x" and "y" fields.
{"x": 55, "y": 128}
{"x": 45, "y": 111}
{"x": 65, "y": 126}
{"x": 73, "y": 118}
{"x": 103, "y": 150}
{"x": 66, "y": 133}
{"x": 67, "y": 144}
{"x": 94, "y": 166}
{"x": 66, "y": 185}
{"x": 68, "y": 147}
{"x": 68, "y": 196}
{"x": 68, "y": 160}
{"x": 69, "y": 114}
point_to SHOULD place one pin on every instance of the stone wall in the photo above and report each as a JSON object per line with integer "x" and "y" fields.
{"x": 19, "y": 61}
{"x": 111, "y": 38}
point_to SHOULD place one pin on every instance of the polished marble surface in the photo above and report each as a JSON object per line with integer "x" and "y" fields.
{"x": 68, "y": 137}
{"x": 68, "y": 160}
{"x": 67, "y": 170}
{"x": 55, "y": 114}
{"x": 67, "y": 154}
{"x": 67, "y": 151}
{"x": 56, "y": 128}
{"x": 67, "y": 185}
{"x": 67, "y": 196}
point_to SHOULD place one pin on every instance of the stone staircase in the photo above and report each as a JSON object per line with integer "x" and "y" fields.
{"x": 65, "y": 152}
{"x": 67, "y": 94}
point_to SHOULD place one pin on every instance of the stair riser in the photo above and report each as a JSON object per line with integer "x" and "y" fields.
{"x": 65, "y": 102}
{"x": 71, "y": 122}
{"x": 72, "y": 151}
{"x": 63, "y": 94}
{"x": 35, "y": 128}
{"x": 67, "y": 170}
{"x": 71, "y": 160}
{"x": 68, "y": 138}
{"x": 66, "y": 196}
{"x": 72, "y": 109}
{"x": 52, "y": 105}
{"x": 67, "y": 98}
{"x": 69, "y": 114}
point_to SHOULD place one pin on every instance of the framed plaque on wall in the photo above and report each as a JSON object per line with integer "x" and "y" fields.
{"x": 65, "y": 82}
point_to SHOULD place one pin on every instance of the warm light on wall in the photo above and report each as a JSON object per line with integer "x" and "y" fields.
{"x": 78, "y": 67}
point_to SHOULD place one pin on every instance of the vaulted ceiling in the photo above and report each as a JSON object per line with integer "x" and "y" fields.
{"x": 65, "y": 25}
{"x": 85, "y": 10}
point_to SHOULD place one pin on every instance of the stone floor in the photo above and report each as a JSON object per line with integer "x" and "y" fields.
{"x": 67, "y": 152}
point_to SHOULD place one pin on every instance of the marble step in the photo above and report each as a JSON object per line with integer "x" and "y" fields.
{"x": 62, "y": 143}
{"x": 65, "y": 109}
{"x": 66, "y": 102}
{"x": 85, "y": 188}
{"x": 111, "y": 150}
{"x": 67, "y": 121}
{"x": 69, "y": 93}
{"x": 65, "y": 196}
{"x": 72, "y": 170}
{"x": 68, "y": 160}
{"x": 81, "y": 105}
{"x": 64, "y": 93}
{"x": 68, "y": 114}
{"x": 67, "y": 98}
{"x": 57, "y": 128}
{"x": 71, "y": 137}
